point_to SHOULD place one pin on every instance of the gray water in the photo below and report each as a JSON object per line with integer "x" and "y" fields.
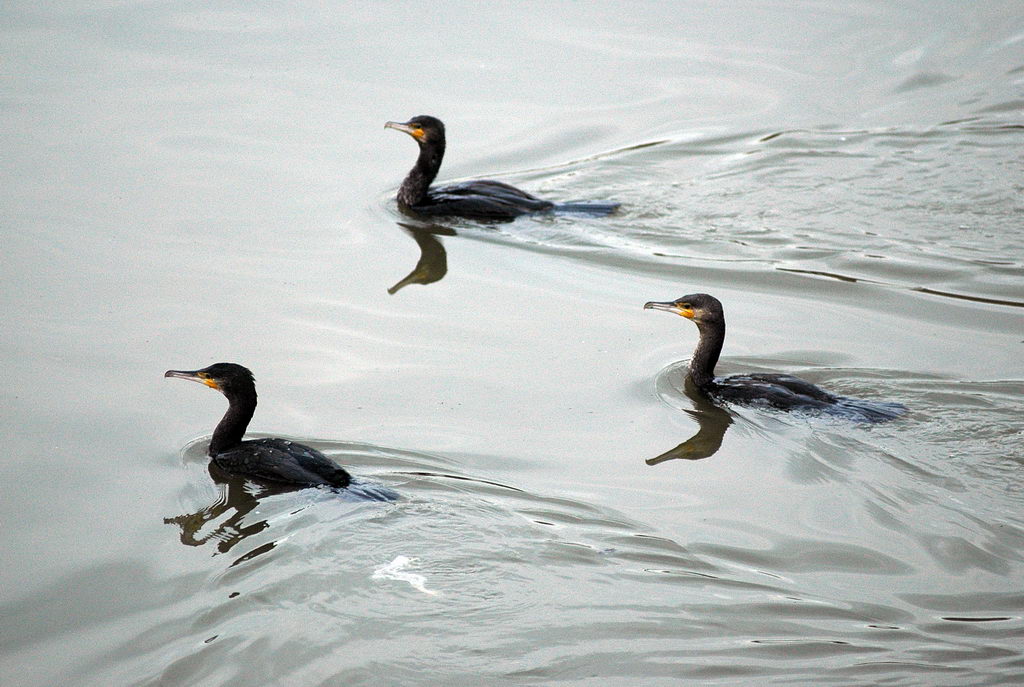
{"x": 191, "y": 182}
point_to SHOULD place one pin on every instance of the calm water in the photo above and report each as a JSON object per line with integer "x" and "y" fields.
{"x": 191, "y": 182}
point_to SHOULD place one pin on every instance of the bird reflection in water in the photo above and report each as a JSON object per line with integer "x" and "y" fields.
{"x": 713, "y": 421}
{"x": 433, "y": 262}
{"x": 223, "y": 521}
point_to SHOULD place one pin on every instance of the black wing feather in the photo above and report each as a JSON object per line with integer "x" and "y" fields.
{"x": 280, "y": 460}
{"x": 787, "y": 392}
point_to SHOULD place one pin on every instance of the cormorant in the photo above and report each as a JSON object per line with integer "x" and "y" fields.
{"x": 481, "y": 199}
{"x": 782, "y": 391}
{"x": 273, "y": 460}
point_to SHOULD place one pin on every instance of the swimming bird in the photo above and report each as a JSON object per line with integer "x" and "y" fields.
{"x": 480, "y": 199}
{"x": 273, "y": 460}
{"x": 781, "y": 391}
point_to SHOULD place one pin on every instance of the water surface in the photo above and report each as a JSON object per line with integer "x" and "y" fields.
{"x": 187, "y": 183}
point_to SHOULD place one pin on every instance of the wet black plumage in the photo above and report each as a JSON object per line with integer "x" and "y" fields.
{"x": 781, "y": 391}
{"x": 272, "y": 460}
{"x": 481, "y": 199}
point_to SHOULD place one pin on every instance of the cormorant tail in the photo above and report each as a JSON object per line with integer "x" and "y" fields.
{"x": 860, "y": 410}
{"x": 587, "y": 207}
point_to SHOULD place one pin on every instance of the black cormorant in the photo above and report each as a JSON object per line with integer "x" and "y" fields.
{"x": 785, "y": 392}
{"x": 481, "y": 199}
{"x": 273, "y": 460}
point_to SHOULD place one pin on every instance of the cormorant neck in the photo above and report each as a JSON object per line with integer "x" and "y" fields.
{"x": 705, "y": 356}
{"x": 414, "y": 188}
{"x": 231, "y": 427}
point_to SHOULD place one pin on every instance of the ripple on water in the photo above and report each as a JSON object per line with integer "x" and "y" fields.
{"x": 892, "y": 206}
{"x": 545, "y": 585}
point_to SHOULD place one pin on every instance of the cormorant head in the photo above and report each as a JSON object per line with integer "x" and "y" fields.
{"x": 424, "y": 128}
{"x": 699, "y": 307}
{"x": 230, "y": 379}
